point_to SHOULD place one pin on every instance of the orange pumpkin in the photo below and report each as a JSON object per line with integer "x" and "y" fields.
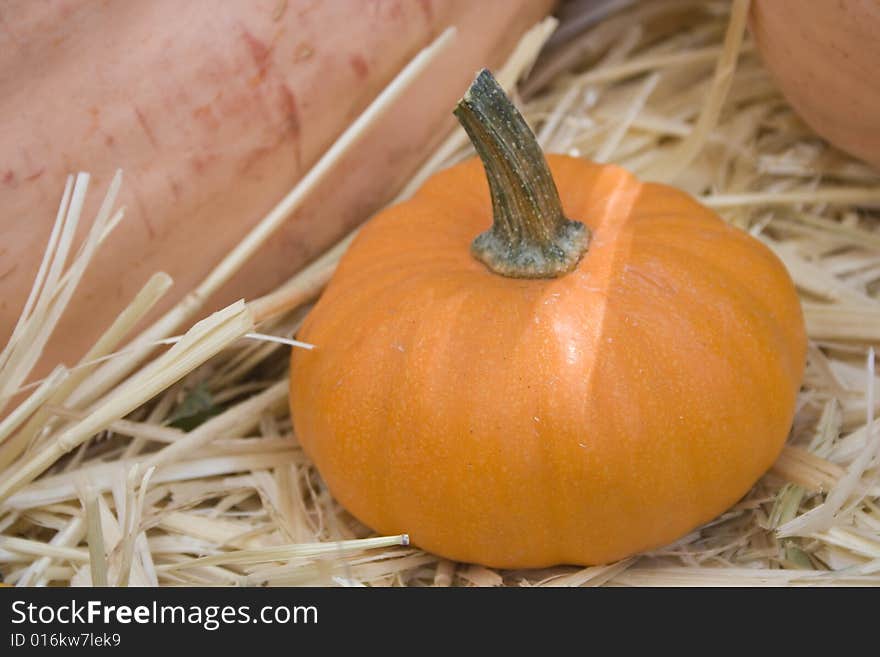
{"x": 629, "y": 375}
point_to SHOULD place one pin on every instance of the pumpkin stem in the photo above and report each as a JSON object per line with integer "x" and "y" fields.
{"x": 530, "y": 236}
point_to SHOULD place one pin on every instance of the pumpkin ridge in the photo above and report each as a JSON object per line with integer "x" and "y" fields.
{"x": 759, "y": 322}
{"x": 772, "y": 318}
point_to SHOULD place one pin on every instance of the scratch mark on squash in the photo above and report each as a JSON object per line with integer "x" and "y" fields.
{"x": 142, "y": 208}
{"x": 175, "y": 188}
{"x": 8, "y": 271}
{"x": 94, "y": 124}
{"x": 291, "y": 118}
{"x": 427, "y": 10}
{"x": 280, "y": 10}
{"x": 359, "y": 66}
{"x": 205, "y": 114}
{"x": 200, "y": 162}
{"x": 256, "y": 155}
{"x": 148, "y": 131}
{"x": 36, "y": 174}
{"x": 260, "y": 53}
{"x": 290, "y": 129}
{"x": 305, "y": 11}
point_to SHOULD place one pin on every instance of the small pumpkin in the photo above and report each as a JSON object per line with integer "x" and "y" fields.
{"x": 605, "y": 368}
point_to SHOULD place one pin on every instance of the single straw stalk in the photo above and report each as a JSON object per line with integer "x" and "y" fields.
{"x": 284, "y": 552}
{"x": 95, "y": 536}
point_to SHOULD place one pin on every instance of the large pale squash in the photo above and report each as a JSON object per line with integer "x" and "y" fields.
{"x": 825, "y": 55}
{"x": 214, "y": 110}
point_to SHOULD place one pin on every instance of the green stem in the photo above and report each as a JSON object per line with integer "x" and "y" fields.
{"x": 530, "y": 236}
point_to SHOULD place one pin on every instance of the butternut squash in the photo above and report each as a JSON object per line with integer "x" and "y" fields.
{"x": 214, "y": 112}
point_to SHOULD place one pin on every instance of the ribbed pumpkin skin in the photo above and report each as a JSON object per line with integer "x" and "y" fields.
{"x": 525, "y": 423}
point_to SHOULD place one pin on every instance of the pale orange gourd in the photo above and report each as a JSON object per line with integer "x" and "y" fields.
{"x": 523, "y": 422}
{"x": 825, "y": 55}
